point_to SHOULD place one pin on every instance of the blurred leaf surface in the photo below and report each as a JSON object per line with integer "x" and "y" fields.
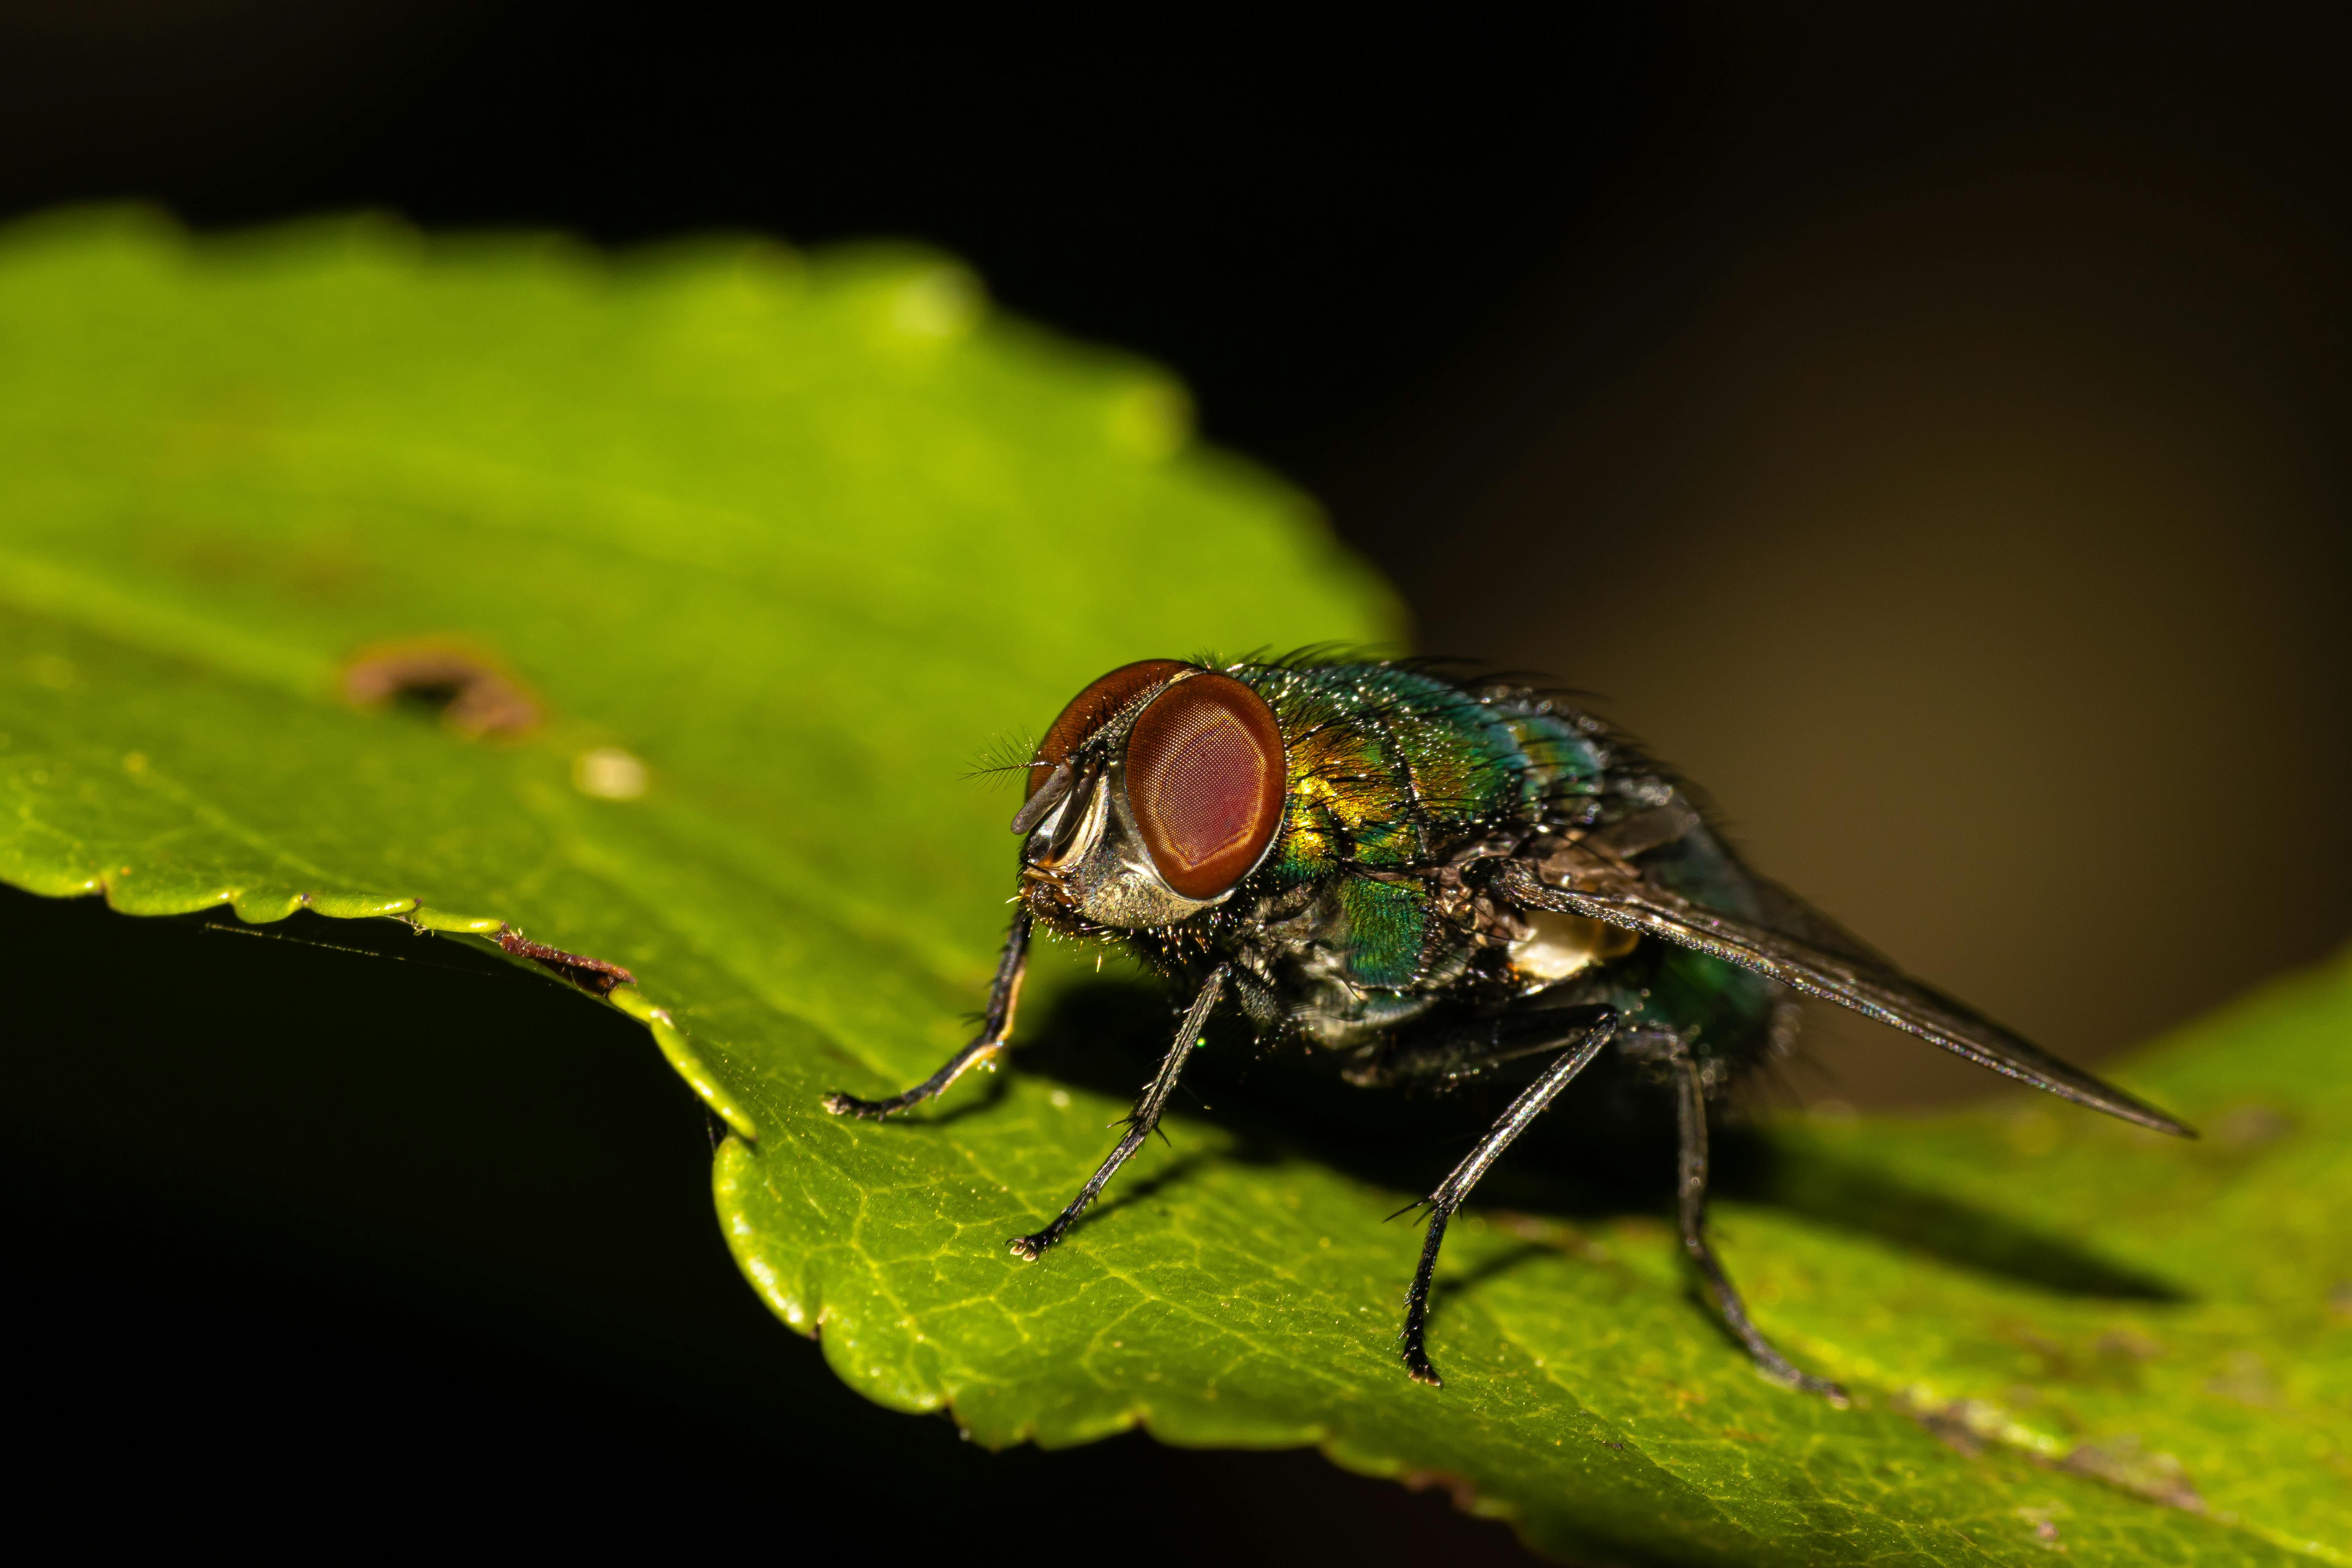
{"x": 776, "y": 544}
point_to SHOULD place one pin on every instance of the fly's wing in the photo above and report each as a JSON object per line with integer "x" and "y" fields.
{"x": 1817, "y": 958}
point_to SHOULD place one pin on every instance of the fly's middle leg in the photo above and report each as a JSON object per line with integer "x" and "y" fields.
{"x": 1585, "y": 1030}
{"x": 1140, "y": 1122}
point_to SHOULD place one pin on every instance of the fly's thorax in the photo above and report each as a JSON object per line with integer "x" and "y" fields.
{"x": 1389, "y": 763}
{"x": 1325, "y": 977}
{"x": 1338, "y": 1019}
{"x": 1324, "y": 1002}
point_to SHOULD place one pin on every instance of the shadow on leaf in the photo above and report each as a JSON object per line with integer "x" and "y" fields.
{"x": 1860, "y": 1196}
{"x": 1606, "y": 1150}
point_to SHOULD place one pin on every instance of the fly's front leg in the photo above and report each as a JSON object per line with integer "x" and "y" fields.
{"x": 1592, "y": 1027}
{"x": 1690, "y": 1118}
{"x": 1003, "y": 997}
{"x": 1140, "y": 1122}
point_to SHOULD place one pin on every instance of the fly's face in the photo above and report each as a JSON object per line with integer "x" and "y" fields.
{"x": 1153, "y": 795}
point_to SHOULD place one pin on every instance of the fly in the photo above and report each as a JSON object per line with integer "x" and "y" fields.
{"x": 1422, "y": 880}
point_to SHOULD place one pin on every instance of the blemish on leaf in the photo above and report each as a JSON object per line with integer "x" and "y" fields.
{"x": 1948, "y": 1425}
{"x": 2123, "y": 1462}
{"x": 473, "y": 696}
{"x": 608, "y": 773}
{"x": 593, "y": 975}
{"x": 2045, "y": 1527}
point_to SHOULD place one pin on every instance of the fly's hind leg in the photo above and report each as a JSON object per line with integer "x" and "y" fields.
{"x": 1690, "y": 1118}
{"x": 1583, "y": 1031}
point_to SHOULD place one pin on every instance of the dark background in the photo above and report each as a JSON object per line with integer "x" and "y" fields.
{"x": 1926, "y": 429}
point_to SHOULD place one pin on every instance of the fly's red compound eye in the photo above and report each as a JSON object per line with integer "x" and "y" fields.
{"x": 1204, "y": 781}
{"x": 1092, "y": 709}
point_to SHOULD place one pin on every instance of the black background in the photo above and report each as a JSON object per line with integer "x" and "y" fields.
{"x": 1926, "y": 428}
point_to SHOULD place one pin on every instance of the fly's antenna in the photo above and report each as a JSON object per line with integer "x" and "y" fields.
{"x": 1008, "y": 753}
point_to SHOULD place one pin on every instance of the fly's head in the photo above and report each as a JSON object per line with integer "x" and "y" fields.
{"x": 1153, "y": 795}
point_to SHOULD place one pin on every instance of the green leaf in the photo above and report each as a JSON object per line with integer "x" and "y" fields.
{"x": 747, "y": 554}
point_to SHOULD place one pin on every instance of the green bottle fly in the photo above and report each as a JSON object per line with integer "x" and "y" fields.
{"x": 1423, "y": 880}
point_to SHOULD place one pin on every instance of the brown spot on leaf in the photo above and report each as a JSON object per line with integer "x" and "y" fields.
{"x": 2122, "y": 1462}
{"x": 593, "y": 975}
{"x": 1960, "y": 1425}
{"x": 2045, "y": 1529}
{"x": 474, "y": 696}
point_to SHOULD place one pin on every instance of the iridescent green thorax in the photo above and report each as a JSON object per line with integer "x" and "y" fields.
{"x": 1389, "y": 769}
{"x": 1386, "y": 763}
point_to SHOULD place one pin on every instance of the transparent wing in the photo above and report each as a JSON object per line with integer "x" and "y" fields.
{"x": 1816, "y": 957}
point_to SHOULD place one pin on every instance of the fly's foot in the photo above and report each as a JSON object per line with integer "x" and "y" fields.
{"x": 864, "y": 1110}
{"x": 1413, "y": 1342}
{"x": 1033, "y": 1247}
{"x": 1414, "y": 1339}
